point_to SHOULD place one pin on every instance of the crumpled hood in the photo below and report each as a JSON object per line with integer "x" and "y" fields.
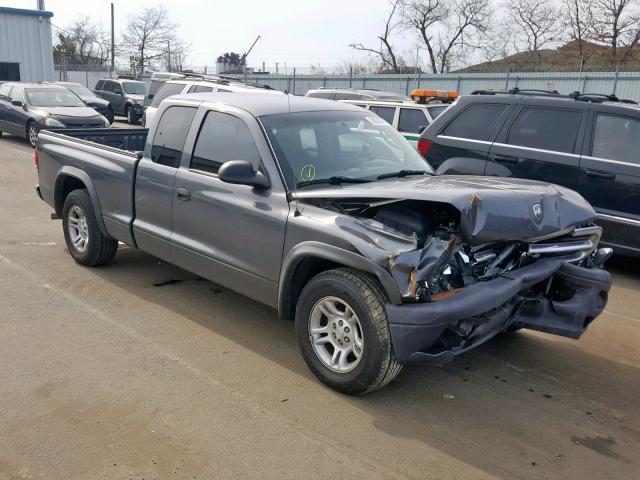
{"x": 68, "y": 111}
{"x": 491, "y": 208}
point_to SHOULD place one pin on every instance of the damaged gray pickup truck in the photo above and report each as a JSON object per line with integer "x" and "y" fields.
{"x": 324, "y": 212}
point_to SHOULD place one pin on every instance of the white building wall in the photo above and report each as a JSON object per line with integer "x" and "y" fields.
{"x": 26, "y": 39}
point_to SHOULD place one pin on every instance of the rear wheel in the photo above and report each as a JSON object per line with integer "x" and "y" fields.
{"x": 343, "y": 333}
{"x": 85, "y": 241}
{"x": 32, "y": 133}
{"x": 131, "y": 116}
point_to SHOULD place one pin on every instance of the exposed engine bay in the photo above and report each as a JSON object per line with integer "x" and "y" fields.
{"x": 437, "y": 262}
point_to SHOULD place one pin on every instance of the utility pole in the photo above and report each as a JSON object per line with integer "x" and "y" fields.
{"x": 113, "y": 44}
{"x": 277, "y": 64}
{"x": 168, "y": 56}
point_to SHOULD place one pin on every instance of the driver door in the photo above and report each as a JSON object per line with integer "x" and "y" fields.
{"x": 230, "y": 234}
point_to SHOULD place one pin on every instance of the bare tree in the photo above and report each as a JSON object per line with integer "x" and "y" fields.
{"x": 447, "y": 27}
{"x": 537, "y": 24}
{"x": 148, "y": 36}
{"x": 580, "y": 15}
{"x": 83, "y": 42}
{"x": 617, "y": 24}
{"x": 389, "y": 59}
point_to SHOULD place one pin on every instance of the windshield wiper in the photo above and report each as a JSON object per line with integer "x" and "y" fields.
{"x": 403, "y": 173}
{"x": 333, "y": 181}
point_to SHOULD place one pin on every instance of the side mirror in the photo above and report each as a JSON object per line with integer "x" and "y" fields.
{"x": 422, "y": 128}
{"x": 118, "y": 92}
{"x": 17, "y": 103}
{"x": 241, "y": 172}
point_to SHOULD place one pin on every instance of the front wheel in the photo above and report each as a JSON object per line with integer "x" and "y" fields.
{"x": 32, "y": 134}
{"x": 110, "y": 116}
{"x": 343, "y": 333}
{"x": 85, "y": 241}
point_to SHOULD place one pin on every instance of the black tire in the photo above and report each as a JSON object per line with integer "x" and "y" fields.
{"x": 131, "y": 115}
{"x": 30, "y": 138}
{"x": 0, "y": 133}
{"x": 99, "y": 249}
{"x": 377, "y": 365}
{"x": 110, "y": 116}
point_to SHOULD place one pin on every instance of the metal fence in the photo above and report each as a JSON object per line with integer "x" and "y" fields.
{"x": 622, "y": 84}
{"x": 86, "y": 77}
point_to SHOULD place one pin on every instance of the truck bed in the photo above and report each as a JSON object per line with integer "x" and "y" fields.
{"x": 130, "y": 139}
{"x": 104, "y": 161}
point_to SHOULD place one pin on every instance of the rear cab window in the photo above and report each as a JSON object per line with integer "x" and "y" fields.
{"x": 476, "y": 122}
{"x": 171, "y": 133}
{"x": 545, "y": 128}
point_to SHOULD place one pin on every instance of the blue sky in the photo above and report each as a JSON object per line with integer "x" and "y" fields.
{"x": 300, "y": 32}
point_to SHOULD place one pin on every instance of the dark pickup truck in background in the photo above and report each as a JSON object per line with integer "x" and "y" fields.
{"x": 323, "y": 211}
{"x": 589, "y": 143}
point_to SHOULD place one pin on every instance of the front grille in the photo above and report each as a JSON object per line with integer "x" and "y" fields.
{"x": 578, "y": 244}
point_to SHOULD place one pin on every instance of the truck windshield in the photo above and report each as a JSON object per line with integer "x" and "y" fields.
{"x": 49, "y": 97}
{"x": 312, "y": 146}
{"x": 135, "y": 88}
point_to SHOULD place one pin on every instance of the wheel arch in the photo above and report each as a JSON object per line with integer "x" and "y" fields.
{"x": 70, "y": 179}
{"x": 307, "y": 259}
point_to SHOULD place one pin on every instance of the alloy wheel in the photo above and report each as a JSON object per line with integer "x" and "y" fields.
{"x": 335, "y": 334}
{"x": 78, "y": 228}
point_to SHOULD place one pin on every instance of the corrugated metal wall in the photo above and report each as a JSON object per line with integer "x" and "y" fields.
{"x": 623, "y": 84}
{"x": 26, "y": 39}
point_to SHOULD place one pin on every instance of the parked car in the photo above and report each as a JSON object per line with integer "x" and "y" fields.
{"x": 589, "y": 143}
{"x": 409, "y": 117}
{"x": 126, "y": 97}
{"x": 197, "y": 85}
{"x": 156, "y": 80}
{"x": 103, "y": 107}
{"x": 322, "y": 210}
{"x": 354, "y": 94}
{"x": 27, "y": 108}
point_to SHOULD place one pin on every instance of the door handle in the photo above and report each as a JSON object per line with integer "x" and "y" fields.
{"x": 598, "y": 174}
{"x": 183, "y": 194}
{"x": 505, "y": 159}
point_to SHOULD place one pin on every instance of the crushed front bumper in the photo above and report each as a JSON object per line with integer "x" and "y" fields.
{"x": 566, "y": 299}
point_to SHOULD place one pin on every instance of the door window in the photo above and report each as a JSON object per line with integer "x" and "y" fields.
{"x": 17, "y": 94}
{"x": 436, "y": 111}
{"x": 476, "y": 121}
{"x": 4, "y": 92}
{"x": 222, "y": 137}
{"x": 386, "y": 113}
{"x": 546, "y": 128}
{"x": 616, "y": 138}
{"x": 411, "y": 119}
{"x": 203, "y": 89}
{"x": 99, "y": 85}
{"x": 171, "y": 133}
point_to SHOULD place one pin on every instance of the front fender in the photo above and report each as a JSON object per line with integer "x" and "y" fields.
{"x": 318, "y": 250}
{"x": 73, "y": 172}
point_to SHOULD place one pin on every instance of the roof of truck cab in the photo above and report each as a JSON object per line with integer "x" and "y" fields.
{"x": 259, "y": 104}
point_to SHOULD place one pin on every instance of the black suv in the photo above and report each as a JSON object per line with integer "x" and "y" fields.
{"x": 587, "y": 142}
